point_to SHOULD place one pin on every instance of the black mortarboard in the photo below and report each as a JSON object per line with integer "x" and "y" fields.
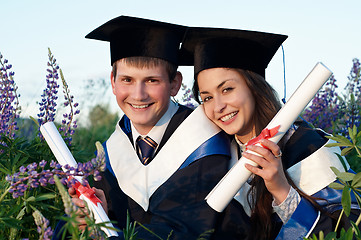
{"x": 130, "y": 37}
{"x": 230, "y": 48}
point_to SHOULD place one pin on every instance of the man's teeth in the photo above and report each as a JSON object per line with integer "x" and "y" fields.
{"x": 229, "y": 116}
{"x": 140, "y": 106}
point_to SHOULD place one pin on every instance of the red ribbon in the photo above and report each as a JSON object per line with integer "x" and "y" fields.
{"x": 265, "y": 134}
{"x": 87, "y": 191}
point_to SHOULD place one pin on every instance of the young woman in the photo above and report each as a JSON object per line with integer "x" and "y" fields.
{"x": 229, "y": 79}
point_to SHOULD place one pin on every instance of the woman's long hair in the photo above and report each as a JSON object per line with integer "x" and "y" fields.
{"x": 267, "y": 105}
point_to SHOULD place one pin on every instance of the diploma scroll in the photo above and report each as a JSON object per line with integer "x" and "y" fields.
{"x": 232, "y": 182}
{"x": 64, "y": 157}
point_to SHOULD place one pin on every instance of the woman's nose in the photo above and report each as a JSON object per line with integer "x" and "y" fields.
{"x": 220, "y": 105}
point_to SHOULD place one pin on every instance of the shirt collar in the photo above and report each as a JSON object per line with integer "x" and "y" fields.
{"x": 157, "y": 132}
{"x": 242, "y": 146}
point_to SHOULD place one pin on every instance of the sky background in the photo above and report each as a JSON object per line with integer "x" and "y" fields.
{"x": 318, "y": 31}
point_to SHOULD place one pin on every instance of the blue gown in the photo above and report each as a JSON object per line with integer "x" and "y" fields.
{"x": 307, "y": 220}
{"x": 178, "y": 206}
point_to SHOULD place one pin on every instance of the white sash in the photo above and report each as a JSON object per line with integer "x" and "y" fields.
{"x": 139, "y": 181}
{"x": 314, "y": 172}
{"x": 311, "y": 175}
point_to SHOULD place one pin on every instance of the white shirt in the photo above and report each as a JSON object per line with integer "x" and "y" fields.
{"x": 157, "y": 132}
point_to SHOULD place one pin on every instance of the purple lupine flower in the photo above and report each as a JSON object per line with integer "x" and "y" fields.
{"x": 34, "y": 175}
{"x": 323, "y": 111}
{"x": 336, "y": 113}
{"x": 9, "y": 100}
{"x": 42, "y": 225}
{"x": 187, "y": 98}
{"x": 68, "y": 123}
{"x": 352, "y": 104}
{"x": 48, "y": 102}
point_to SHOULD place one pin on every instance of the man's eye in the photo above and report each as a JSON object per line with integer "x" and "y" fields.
{"x": 151, "y": 80}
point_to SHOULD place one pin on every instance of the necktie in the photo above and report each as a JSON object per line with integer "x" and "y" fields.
{"x": 147, "y": 147}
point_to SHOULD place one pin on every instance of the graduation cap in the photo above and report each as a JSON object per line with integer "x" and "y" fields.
{"x": 131, "y": 37}
{"x": 229, "y": 48}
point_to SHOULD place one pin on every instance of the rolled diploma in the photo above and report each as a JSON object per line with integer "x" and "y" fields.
{"x": 64, "y": 156}
{"x": 232, "y": 182}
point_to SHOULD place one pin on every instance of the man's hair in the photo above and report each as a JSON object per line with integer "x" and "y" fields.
{"x": 148, "y": 62}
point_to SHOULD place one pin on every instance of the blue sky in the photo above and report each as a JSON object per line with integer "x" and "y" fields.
{"x": 326, "y": 31}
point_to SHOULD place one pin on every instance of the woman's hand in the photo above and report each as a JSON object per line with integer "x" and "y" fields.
{"x": 270, "y": 168}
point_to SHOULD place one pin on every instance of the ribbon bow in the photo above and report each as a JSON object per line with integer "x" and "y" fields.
{"x": 265, "y": 134}
{"x": 87, "y": 192}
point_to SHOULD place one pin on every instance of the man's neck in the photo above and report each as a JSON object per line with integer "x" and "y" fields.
{"x": 156, "y": 132}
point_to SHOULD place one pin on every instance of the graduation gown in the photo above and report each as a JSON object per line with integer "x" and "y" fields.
{"x": 174, "y": 204}
{"x": 308, "y": 162}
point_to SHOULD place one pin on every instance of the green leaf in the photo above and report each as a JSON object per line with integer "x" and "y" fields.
{"x": 354, "y": 131}
{"x": 356, "y": 229}
{"x": 343, "y": 161}
{"x": 336, "y": 185}
{"x": 358, "y": 198}
{"x": 349, "y": 234}
{"x": 346, "y": 150}
{"x": 330, "y": 236}
{"x": 346, "y": 200}
{"x": 358, "y": 135}
{"x": 45, "y": 196}
{"x": 11, "y": 222}
{"x": 351, "y": 133}
{"x": 30, "y": 199}
{"x": 335, "y": 170}
{"x": 356, "y": 181}
{"x": 341, "y": 139}
{"x": 333, "y": 144}
{"x": 346, "y": 176}
{"x": 4, "y": 170}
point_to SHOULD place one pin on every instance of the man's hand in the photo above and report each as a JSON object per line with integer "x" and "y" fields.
{"x": 81, "y": 204}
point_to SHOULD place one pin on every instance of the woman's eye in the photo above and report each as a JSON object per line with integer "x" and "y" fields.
{"x": 206, "y": 99}
{"x": 227, "y": 89}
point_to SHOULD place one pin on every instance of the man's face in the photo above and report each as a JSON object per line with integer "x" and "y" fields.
{"x": 143, "y": 93}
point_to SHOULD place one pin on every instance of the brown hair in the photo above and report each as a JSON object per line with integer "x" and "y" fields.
{"x": 147, "y": 62}
{"x": 267, "y": 105}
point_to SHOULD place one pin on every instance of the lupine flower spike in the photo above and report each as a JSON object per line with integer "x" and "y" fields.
{"x": 35, "y": 175}
{"x": 45, "y": 232}
{"x": 48, "y": 102}
{"x": 68, "y": 123}
{"x": 9, "y": 101}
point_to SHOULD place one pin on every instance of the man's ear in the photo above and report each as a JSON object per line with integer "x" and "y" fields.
{"x": 176, "y": 84}
{"x": 112, "y": 81}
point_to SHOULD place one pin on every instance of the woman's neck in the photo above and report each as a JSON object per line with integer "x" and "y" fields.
{"x": 244, "y": 138}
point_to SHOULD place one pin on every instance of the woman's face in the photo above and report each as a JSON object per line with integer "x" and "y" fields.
{"x": 228, "y": 101}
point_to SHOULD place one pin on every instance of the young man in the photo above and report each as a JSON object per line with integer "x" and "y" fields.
{"x": 164, "y": 190}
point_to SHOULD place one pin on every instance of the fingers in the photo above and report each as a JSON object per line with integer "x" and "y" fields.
{"x": 100, "y": 194}
{"x": 273, "y": 147}
{"x": 269, "y": 150}
{"x": 72, "y": 192}
{"x": 269, "y": 167}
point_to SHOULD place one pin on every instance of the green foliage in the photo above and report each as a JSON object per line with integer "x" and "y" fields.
{"x": 349, "y": 183}
{"x": 101, "y": 125}
{"x": 16, "y": 219}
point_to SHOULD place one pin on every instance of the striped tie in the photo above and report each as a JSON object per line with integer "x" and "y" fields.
{"x": 147, "y": 147}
